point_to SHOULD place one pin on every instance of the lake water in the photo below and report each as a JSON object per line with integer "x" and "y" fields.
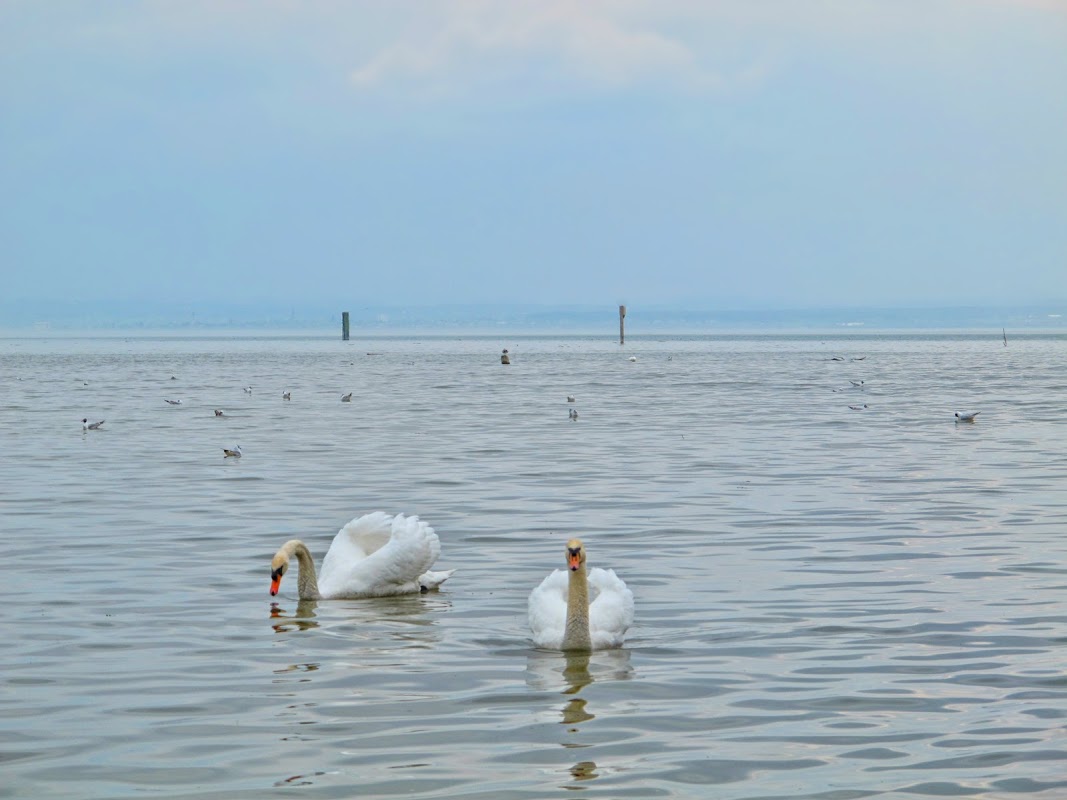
{"x": 830, "y": 603}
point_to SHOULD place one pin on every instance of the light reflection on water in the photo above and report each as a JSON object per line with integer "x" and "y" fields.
{"x": 829, "y": 603}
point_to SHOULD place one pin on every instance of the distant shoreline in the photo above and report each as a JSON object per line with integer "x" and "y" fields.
{"x": 120, "y": 320}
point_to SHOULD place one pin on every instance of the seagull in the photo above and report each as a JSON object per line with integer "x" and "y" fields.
{"x": 172, "y": 402}
{"x": 287, "y": 395}
{"x": 218, "y": 412}
{"x": 235, "y": 453}
{"x": 856, "y": 383}
{"x": 570, "y": 398}
{"x": 573, "y": 414}
{"x": 966, "y": 417}
{"x": 860, "y": 358}
{"x": 248, "y": 390}
{"x": 633, "y": 358}
{"x": 504, "y": 357}
{"x": 858, "y": 408}
{"x": 346, "y": 398}
{"x": 91, "y": 426}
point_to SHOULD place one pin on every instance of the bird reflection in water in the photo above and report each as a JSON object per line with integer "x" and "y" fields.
{"x": 576, "y": 674}
{"x": 302, "y": 620}
{"x": 578, "y": 670}
{"x": 583, "y": 771}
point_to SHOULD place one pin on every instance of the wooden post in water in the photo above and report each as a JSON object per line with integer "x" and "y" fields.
{"x": 344, "y": 326}
{"x": 622, "y": 324}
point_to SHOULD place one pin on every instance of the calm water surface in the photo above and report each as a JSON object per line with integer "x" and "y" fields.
{"x": 831, "y": 603}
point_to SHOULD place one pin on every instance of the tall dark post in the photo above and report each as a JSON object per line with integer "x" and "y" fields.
{"x": 622, "y": 324}
{"x": 344, "y": 326}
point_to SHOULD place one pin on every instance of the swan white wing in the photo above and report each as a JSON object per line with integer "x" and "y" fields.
{"x": 548, "y": 610}
{"x": 353, "y": 543}
{"x": 378, "y": 555}
{"x": 612, "y": 612}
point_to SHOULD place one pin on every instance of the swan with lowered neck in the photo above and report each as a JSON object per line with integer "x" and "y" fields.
{"x": 375, "y": 555}
{"x": 561, "y": 616}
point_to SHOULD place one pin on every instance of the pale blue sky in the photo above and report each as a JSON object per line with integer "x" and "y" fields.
{"x": 732, "y": 154}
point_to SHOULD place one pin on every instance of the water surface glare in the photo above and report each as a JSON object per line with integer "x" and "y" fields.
{"x": 830, "y": 603}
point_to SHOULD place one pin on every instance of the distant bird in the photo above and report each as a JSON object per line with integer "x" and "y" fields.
{"x": 860, "y": 358}
{"x": 573, "y": 414}
{"x": 218, "y": 412}
{"x": 570, "y": 398}
{"x": 858, "y": 408}
{"x": 95, "y": 426}
{"x": 287, "y": 395}
{"x": 346, "y": 398}
{"x": 837, "y": 358}
{"x": 633, "y": 358}
{"x": 235, "y": 453}
{"x": 504, "y": 357}
{"x": 670, "y": 358}
{"x": 172, "y": 402}
{"x": 248, "y": 390}
{"x": 966, "y": 417}
{"x": 173, "y": 378}
{"x": 857, "y": 383}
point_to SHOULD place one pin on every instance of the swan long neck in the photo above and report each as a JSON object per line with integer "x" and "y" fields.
{"x": 307, "y": 583}
{"x": 576, "y": 633}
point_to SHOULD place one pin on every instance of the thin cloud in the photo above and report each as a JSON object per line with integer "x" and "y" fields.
{"x": 576, "y": 42}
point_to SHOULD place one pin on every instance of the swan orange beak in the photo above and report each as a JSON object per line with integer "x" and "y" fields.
{"x": 275, "y": 584}
{"x": 574, "y": 561}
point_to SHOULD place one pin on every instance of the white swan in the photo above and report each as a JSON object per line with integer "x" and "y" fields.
{"x": 561, "y": 616}
{"x": 375, "y": 555}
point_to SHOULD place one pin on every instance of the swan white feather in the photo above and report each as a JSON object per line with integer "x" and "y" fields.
{"x": 376, "y": 555}
{"x": 610, "y": 614}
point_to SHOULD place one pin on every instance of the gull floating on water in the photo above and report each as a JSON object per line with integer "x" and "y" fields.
{"x": 856, "y": 383}
{"x": 504, "y": 357}
{"x": 633, "y": 358}
{"x": 570, "y": 398}
{"x": 858, "y": 408}
{"x": 234, "y": 453}
{"x": 346, "y": 398}
{"x": 573, "y": 414}
{"x": 248, "y": 390}
{"x": 218, "y": 412}
{"x": 966, "y": 417}
{"x": 91, "y": 426}
{"x": 172, "y": 402}
{"x": 287, "y": 395}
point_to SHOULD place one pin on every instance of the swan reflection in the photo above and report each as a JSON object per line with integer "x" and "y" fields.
{"x": 569, "y": 673}
{"x": 410, "y": 620}
{"x": 583, "y": 771}
{"x": 547, "y": 670}
{"x": 302, "y": 619}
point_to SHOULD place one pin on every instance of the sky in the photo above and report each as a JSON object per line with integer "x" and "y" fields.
{"x": 732, "y": 154}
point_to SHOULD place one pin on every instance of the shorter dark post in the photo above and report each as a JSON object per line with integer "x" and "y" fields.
{"x": 622, "y": 324}
{"x": 344, "y": 326}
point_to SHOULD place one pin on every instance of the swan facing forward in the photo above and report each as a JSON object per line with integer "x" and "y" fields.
{"x": 561, "y": 616}
{"x": 376, "y": 555}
